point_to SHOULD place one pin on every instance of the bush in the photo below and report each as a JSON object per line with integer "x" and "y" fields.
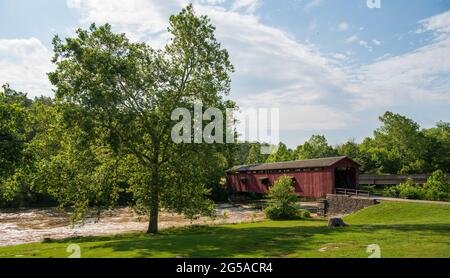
{"x": 304, "y": 213}
{"x": 283, "y": 201}
{"x": 437, "y": 187}
{"x": 406, "y": 190}
{"x": 409, "y": 190}
{"x": 391, "y": 191}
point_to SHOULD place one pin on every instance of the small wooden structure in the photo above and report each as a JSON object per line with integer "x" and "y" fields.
{"x": 314, "y": 178}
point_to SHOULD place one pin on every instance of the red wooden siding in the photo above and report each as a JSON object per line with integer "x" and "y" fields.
{"x": 313, "y": 183}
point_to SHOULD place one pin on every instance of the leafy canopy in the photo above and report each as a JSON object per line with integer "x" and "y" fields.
{"x": 120, "y": 96}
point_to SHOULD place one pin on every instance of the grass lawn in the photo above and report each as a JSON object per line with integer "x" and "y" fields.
{"x": 400, "y": 229}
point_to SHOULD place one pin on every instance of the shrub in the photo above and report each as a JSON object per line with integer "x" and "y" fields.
{"x": 437, "y": 187}
{"x": 406, "y": 190}
{"x": 304, "y": 213}
{"x": 392, "y": 191}
{"x": 283, "y": 201}
{"x": 409, "y": 190}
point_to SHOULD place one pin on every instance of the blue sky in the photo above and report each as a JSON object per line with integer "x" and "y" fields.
{"x": 332, "y": 67}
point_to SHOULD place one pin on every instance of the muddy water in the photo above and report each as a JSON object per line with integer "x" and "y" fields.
{"x": 26, "y": 226}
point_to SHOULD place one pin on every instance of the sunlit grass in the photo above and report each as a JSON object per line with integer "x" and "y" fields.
{"x": 400, "y": 229}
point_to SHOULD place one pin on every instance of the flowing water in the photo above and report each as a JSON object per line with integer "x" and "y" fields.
{"x": 35, "y": 225}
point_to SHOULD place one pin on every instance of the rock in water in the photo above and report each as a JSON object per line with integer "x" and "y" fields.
{"x": 336, "y": 222}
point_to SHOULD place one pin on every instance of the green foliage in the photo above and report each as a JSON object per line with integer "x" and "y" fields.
{"x": 120, "y": 96}
{"x": 349, "y": 149}
{"x": 316, "y": 147}
{"x": 13, "y": 130}
{"x": 254, "y": 155}
{"x": 406, "y": 190}
{"x": 438, "y": 153}
{"x": 391, "y": 191}
{"x": 283, "y": 201}
{"x": 304, "y": 213}
{"x": 409, "y": 190}
{"x": 398, "y": 146}
{"x": 437, "y": 187}
{"x": 21, "y": 124}
{"x": 281, "y": 155}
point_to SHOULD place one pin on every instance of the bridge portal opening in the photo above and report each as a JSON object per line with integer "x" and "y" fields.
{"x": 345, "y": 177}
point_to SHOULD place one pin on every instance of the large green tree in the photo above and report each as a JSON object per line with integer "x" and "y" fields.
{"x": 316, "y": 147}
{"x": 124, "y": 94}
{"x": 398, "y": 146}
{"x": 439, "y": 146}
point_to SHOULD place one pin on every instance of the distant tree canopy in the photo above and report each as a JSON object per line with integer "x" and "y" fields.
{"x": 254, "y": 155}
{"x": 13, "y": 129}
{"x": 316, "y": 147}
{"x": 398, "y": 146}
{"x": 282, "y": 154}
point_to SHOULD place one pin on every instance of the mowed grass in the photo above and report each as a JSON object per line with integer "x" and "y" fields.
{"x": 401, "y": 230}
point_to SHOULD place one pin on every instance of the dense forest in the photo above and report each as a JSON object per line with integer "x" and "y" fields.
{"x": 104, "y": 140}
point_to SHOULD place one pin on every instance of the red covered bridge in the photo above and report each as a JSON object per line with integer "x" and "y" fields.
{"x": 314, "y": 178}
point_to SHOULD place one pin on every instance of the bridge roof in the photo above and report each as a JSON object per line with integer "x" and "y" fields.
{"x": 299, "y": 164}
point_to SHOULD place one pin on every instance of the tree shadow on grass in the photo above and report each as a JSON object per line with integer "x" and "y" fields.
{"x": 258, "y": 241}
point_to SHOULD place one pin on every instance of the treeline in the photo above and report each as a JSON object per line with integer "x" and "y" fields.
{"x": 42, "y": 158}
{"x": 399, "y": 146}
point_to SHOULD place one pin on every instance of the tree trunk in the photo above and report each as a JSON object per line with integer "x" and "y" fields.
{"x": 154, "y": 194}
{"x": 154, "y": 210}
{"x": 154, "y": 205}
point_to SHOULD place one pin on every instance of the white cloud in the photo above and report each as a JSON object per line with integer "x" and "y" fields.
{"x": 366, "y": 45}
{"x": 248, "y": 6}
{"x": 352, "y": 39}
{"x": 376, "y": 42}
{"x": 339, "y": 56}
{"x": 344, "y": 26}
{"x": 24, "y": 64}
{"x": 294, "y": 74}
{"x": 273, "y": 69}
{"x": 439, "y": 23}
{"x": 419, "y": 77}
{"x": 261, "y": 54}
{"x": 310, "y": 4}
{"x": 138, "y": 18}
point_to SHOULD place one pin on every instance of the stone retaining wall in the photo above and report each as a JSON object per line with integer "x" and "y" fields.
{"x": 343, "y": 204}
